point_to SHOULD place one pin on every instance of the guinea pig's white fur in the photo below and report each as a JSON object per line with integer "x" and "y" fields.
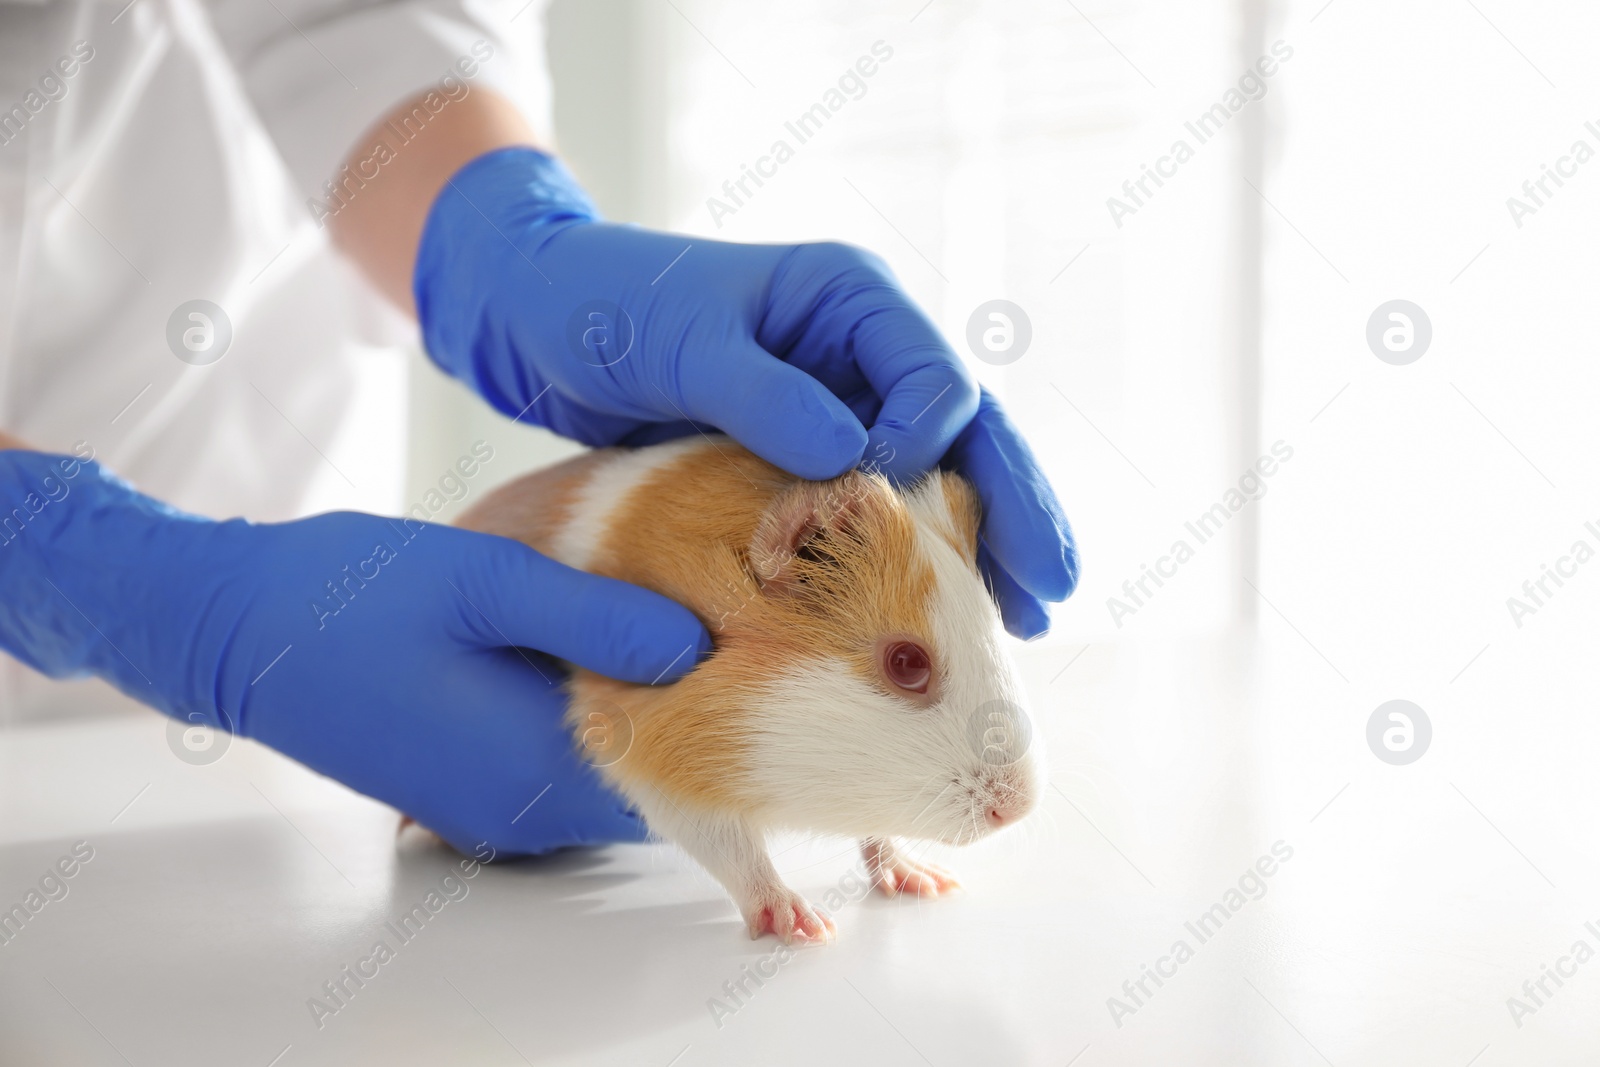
{"x": 793, "y": 722}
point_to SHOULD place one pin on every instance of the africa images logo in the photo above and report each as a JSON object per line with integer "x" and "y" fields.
{"x": 199, "y": 332}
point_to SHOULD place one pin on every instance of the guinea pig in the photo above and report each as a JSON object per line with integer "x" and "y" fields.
{"x": 858, "y": 684}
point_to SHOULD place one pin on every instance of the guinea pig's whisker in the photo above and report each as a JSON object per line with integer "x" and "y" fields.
{"x": 916, "y": 823}
{"x": 927, "y": 813}
{"x": 919, "y": 850}
{"x": 1080, "y": 772}
{"x": 972, "y": 816}
{"x": 1047, "y": 815}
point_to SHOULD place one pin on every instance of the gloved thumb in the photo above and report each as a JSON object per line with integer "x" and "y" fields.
{"x": 512, "y": 595}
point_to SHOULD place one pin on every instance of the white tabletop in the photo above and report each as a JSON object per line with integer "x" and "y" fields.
{"x": 1417, "y": 900}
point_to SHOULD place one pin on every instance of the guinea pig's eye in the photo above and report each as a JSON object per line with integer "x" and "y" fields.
{"x": 908, "y": 666}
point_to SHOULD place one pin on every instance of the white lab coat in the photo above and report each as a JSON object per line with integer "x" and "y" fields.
{"x": 166, "y": 151}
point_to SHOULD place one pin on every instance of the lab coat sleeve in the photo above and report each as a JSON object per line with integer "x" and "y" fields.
{"x": 321, "y": 73}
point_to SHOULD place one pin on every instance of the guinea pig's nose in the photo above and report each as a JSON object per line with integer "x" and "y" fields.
{"x": 1006, "y": 805}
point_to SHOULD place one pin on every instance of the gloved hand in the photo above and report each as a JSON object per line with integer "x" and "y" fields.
{"x": 611, "y": 334}
{"x": 385, "y": 653}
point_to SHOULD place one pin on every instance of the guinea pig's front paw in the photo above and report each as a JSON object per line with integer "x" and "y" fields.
{"x": 894, "y": 872}
{"x": 779, "y": 910}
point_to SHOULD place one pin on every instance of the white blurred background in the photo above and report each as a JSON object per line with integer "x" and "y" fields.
{"x": 1229, "y": 708}
{"x": 977, "y": 160}
{"x": 1228, "y": 313}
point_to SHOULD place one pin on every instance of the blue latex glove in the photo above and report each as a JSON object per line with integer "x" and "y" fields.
{"x": 411, "y": 685}
{"x": 611, "y": 334}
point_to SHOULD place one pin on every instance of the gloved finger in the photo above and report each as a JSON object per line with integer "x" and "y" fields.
{"x": 863, "y": 405}
{"x": 513, "y": 595}
{"x": 1024, "y": 614}
{"x": 928, "y": 396}
{"x": 1023, "y": 523}
{"x": 498, "y": 771}
{"x": 835, "y": 305}
{"x": 578, "y": 808}
{"x": 568, "y": 814}
{"x": 779, "y": 412}
{"x": 571, "y": 813}
{"x": 582, "y": 810}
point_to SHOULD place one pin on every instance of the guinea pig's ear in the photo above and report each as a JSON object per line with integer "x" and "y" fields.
{"x": 795, "y": 522}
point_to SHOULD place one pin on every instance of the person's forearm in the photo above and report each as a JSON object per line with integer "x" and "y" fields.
{"x": 380, "y": 226}
{"x": 7, "y": 442}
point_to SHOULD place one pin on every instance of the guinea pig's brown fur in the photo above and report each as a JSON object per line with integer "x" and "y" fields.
{"x": 783, "y": 572}
{"x": 701, "y": 530}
